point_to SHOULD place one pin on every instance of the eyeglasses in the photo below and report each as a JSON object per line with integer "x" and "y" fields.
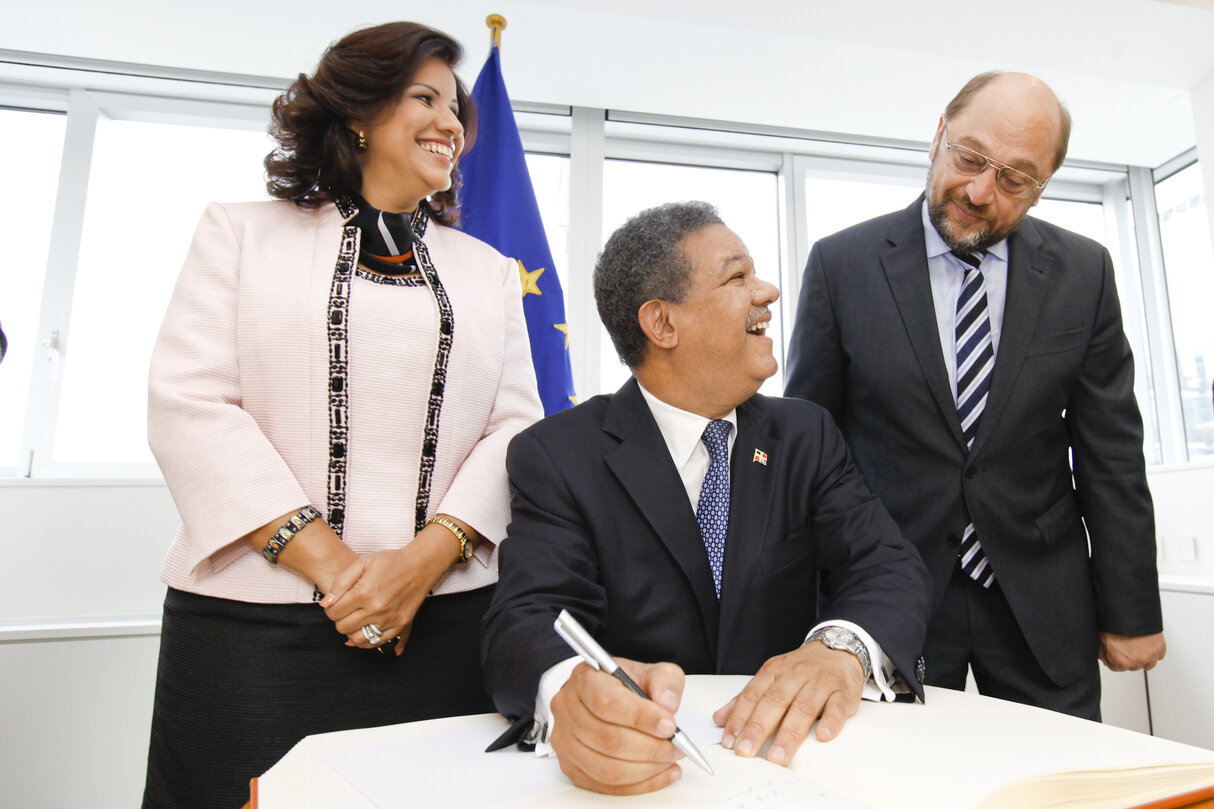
{"x": 1013, "y": 182}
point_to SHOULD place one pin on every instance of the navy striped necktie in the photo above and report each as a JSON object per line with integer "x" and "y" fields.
{"x": 975, "y": 361}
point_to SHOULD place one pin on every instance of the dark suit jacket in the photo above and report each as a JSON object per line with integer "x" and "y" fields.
{"x": 866, "y": 347}
{"x": 601, "y": 526}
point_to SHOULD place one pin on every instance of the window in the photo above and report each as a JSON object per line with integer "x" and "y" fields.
{"x": 1184, "y": 231}
{"x": 550, "y": 179}
{"x": 748, "y": 204}
{"x": 164, "y": 147}
{"x": 1084, "y": 218}
{"x": 1088, "y": 219}
{"x": 148, "y": 186}
{"x": 31, "y": 146}
{"x": 833, "y": 204}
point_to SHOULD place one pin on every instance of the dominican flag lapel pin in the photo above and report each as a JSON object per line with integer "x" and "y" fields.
{"x": 760, "y": 457}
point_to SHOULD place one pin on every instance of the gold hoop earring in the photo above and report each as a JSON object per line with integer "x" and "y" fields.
{"x": 361, "y": 143}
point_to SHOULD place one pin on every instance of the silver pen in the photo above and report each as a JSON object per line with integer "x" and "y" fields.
{"x": 588, "y": 648}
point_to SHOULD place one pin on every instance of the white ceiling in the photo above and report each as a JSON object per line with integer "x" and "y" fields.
{"x": 881, "y": 67}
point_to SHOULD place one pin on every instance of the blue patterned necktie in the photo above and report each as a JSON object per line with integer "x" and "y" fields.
{"x": 712, "y": 514}
{"x": 975, "y": 361}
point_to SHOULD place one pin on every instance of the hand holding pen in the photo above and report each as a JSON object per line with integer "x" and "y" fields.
{"x": 607, "y": 741}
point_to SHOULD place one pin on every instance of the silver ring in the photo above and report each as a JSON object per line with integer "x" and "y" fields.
{"x": 372, "y": 634}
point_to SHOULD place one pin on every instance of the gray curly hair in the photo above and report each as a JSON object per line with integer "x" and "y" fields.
{"x": 643, "y": 261}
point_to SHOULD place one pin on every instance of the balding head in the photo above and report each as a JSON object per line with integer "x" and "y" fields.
{"x": 1020, "y": 97}
{"x": 1003, "y": 122}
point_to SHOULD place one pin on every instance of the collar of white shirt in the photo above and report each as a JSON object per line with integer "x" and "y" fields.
{"x": 683, "y": 429}
{"x": 682, "y": 432}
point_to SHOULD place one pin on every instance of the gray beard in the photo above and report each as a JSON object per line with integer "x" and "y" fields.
{"x": 979, "y": 241}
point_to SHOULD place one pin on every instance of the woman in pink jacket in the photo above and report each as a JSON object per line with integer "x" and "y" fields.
{"x": 331, "y": 395}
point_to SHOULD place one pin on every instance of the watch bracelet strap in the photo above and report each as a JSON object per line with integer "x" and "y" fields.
{"x": 465, "y": 542}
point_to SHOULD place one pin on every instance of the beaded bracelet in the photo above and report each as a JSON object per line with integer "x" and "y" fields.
{"x": 283, "y": 535}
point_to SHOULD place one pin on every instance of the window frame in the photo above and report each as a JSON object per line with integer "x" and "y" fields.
{"x": 1156, "y": 275}
{"x": 88, "y": 90}
{"x": 128, "y": 98}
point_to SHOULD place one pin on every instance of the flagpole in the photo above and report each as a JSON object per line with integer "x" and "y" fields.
{"x": 497, "y": 24}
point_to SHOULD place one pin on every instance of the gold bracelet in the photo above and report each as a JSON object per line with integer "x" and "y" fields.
{"x": 465, "y": 543}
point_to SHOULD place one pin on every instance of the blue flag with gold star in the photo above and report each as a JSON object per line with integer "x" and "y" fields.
{"x": 497, "y": 206}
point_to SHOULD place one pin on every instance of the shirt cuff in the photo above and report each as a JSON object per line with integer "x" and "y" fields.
{"x": 552, "y": 681}
{"x": 880, "y": 684}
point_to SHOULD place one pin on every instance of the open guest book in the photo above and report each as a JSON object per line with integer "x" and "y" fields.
{"x": 1159, "y": 786}
{"x": 957, "y": 751}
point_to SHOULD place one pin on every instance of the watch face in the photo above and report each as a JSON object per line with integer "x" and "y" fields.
{"x": 842, "y": 640}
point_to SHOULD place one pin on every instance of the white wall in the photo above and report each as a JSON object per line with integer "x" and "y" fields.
{"x": 79, "y": 634}
{"x": 74, "y": 719}
{"x": 1181, "y": 700}
{"x": 1184, "y": 522}
{"x": 84, "y": 548}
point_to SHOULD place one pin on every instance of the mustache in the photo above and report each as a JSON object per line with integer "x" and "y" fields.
{"x": 963, "y": 199}
{"x": 755, "y": 315}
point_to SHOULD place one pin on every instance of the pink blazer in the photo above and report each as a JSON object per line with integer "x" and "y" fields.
{"x": 239, "y": 407}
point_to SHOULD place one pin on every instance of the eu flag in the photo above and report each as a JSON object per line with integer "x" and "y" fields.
{"x": 498, "y": 206}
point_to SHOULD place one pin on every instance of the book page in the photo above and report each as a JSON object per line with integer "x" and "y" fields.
{"x": 749, "y": 783}
{"x": 1102, "y": 789}
{"x": 738, "y": 783}
{"x": 446, "y": 768}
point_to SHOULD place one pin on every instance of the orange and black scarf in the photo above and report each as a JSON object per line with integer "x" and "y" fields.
{"x": 386, "y": 243}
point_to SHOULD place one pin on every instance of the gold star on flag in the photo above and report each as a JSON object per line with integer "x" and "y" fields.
{"x": 530, "y": 280}
{"x": 574, "y": 400}
{"x": 563, "y": 328}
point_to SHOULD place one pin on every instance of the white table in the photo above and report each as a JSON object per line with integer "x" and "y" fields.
{"x": 944, "y": 754}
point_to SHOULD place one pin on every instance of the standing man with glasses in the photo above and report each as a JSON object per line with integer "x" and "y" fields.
{"x": 975, "y": 360}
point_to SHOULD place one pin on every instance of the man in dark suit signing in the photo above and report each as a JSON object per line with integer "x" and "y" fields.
{"x": 687, "y": 519}
{"x": 974, "y": 358}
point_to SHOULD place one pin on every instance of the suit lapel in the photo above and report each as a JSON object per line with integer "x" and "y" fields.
{"x": 905, "y": 265}
{"x": 644, "y": 468}
{"x": 1028, "y": 278}
{"x": 752, "y": 486}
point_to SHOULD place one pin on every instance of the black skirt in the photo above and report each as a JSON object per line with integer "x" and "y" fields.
{"x": 239, "y": 684}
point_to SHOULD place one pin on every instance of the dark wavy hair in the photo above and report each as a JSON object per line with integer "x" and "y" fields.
{"x": 358, "y": 78}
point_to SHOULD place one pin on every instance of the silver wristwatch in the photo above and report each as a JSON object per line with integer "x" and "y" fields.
{"x": 844, "y": 640}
